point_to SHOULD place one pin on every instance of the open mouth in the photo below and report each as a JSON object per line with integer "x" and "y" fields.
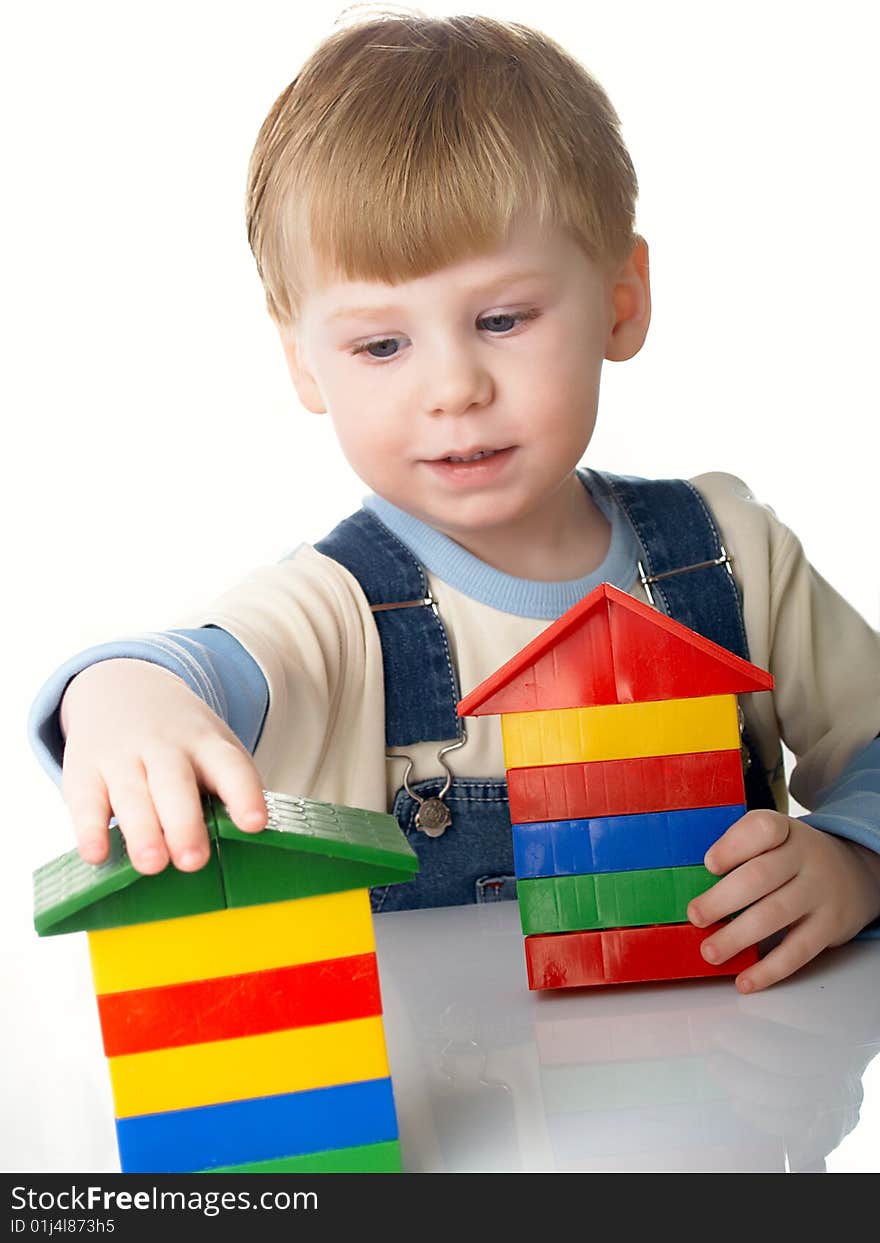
{"x": 475, "y": 455}
{"x": 472, "y": 457}
{"x": 474, "y": 465}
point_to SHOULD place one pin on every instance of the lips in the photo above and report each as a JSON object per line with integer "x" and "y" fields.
{"x": 471, "y": 467}
{"x": 466, "y": 455}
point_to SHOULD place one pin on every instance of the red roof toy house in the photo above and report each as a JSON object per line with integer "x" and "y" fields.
{"x": 622, "y": 748}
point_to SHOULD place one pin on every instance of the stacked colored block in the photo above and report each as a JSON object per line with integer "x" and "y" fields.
{"x": 573, "y": 791}
{"x": 621, "y": 742}
{"x": 264, "y": 1039}
{"x": 246, "y": 1037}
{"x": 619, "y": 731}
{"x": 609, "y": 899}
{"x": 631, "y": 874}
{"x": 624, "y": 956}
{"x": 664, "y": 839}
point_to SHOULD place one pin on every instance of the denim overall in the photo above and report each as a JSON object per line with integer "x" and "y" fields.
{"x": 686, "y": 573}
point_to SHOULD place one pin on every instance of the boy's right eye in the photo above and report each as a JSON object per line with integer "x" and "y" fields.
{"x": 368, "y": 346}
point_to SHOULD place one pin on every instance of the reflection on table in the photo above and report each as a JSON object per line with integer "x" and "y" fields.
{"x": 685, "y": 1076}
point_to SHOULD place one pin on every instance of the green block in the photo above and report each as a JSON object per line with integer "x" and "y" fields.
{"x": 381, "y": 1158}
{"x": 621, "y": 1085}
{"x": 307, "y": 848}
{"x": 73, "y": 896}
{"x": 252, "y": 876}
{"x": 610, "y": 899}
{"x": 310, "y": 848}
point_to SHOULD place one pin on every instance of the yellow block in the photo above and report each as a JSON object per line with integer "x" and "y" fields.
{"x": 620, "y": 731}
{"x": 231, "y": 942}
{"x": 233, "y": 1070}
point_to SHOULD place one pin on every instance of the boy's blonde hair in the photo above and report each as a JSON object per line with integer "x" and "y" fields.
{"x": 406, "y": 143}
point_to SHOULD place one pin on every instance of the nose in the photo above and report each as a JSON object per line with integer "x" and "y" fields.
{"x": 457, "y": 382}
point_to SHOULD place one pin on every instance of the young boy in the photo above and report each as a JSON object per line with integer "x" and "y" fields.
{"x": 442, "y": 215}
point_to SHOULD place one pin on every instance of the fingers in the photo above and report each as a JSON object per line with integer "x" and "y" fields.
{"x": 748, "y": 883}
{"x": 784, "y": 908}
{"x": 132, "y": 805}
{"x": 781, "y": 876}
{"x": 178, "y": 806}
{"x": 753, "y": 834}
{"x": 147, "y": 766}
{"x": 800, "y": 945}
{"x": 155, "y": 796}
{"x": 159, "y": 808}
{"x": 226, "y": 768}
{"x": 760, "y": 884}
{"x": 88, "y": 804}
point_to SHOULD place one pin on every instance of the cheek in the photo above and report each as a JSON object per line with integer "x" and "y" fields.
{"x": 563, "y": 365}
{"x": 582, "y": 347}
{"x": 562, "y": 401}
{"x": 370, "y": 443}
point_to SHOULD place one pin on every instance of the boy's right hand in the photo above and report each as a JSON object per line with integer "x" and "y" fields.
{"x": 141, "y": 746}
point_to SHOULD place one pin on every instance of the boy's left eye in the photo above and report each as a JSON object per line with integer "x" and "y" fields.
{"x": 497, "y": 325}
{"x": 499, "y": 321}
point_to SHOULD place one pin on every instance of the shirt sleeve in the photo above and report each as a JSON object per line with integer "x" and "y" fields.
{"x": 823, "y": 655}
{"x": 290, "y": 658}
{"x": 211, "y": 662}
{"x": 307, "y": 625}
{"x": 825, "y": 661}
{"x": 850, "y": 807}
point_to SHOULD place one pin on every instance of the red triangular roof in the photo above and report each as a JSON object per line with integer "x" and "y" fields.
{"x": 611, "y": 648}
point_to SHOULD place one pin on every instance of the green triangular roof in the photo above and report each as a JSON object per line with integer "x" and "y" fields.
{"x": 307, "y": 848}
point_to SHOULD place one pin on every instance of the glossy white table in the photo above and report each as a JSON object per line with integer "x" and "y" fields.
{"x": 489, "y": 1076}
{"x": 685, "y": 1076}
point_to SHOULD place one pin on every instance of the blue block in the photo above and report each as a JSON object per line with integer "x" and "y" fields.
{"x": 654, "y": 839}
{"x": 183, "y": 1140}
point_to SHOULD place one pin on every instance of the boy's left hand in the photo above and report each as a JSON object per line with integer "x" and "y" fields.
{"x": 782, "y": 873}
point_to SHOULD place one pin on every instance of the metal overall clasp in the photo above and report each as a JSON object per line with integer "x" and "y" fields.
{"x": 433, "y": 817}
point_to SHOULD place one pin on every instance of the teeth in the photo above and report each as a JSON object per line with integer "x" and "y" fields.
{"x": 475, "y": 457}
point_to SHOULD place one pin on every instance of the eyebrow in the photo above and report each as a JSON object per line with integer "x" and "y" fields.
{"x": 365, "y": 312}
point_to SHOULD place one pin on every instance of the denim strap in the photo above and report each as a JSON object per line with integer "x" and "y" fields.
{"x": 421, "y": 687}
{"x": 676, "y": 530}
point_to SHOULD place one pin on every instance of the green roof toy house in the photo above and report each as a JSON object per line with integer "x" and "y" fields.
{"x": 240, "y": 1005}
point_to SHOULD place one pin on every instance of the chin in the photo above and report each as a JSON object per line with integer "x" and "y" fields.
{"x": 471, "y": 519}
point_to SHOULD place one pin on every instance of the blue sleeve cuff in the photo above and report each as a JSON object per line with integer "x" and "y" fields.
{"x": 212, "y": 663}
{"x": 850, "y": 807}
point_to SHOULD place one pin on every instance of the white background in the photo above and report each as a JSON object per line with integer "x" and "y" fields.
{"x": 154, "y": 449}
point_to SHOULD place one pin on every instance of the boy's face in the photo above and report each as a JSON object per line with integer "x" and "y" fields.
{"x": 468, "y": 396}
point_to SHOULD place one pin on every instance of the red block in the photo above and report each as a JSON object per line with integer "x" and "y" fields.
{"x": 240, "y": 1005}
{"x": 610, "y": 648}
{"x": 625, "y": 787}
{"x": 625, "y": 956}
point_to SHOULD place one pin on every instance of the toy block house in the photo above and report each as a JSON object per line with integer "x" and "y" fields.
{"x": 239, "y": 1005}
{"x": 622, "y": 748}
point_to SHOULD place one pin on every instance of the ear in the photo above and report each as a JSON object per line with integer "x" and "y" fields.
{"x": 630, "y": 292}
{"x": 303, "y": 381}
